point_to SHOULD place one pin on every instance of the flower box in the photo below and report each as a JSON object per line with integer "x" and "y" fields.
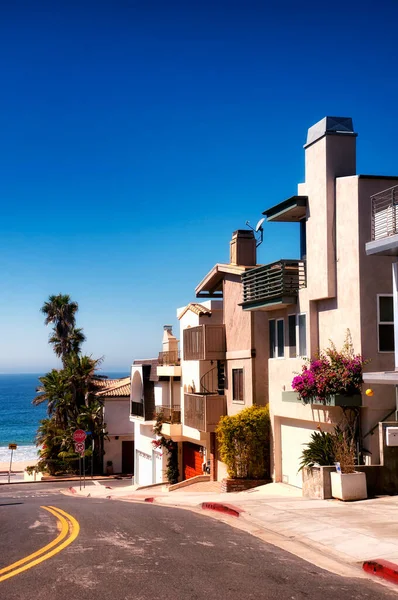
{"x": 332, "y": 400}
{"x": 349, "y": 486}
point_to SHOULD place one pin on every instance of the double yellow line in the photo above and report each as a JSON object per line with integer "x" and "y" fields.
{"x": 69, "y": 529}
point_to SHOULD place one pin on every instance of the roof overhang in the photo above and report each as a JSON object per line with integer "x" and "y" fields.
{"x": 291, "y": 210}
{"x": 211, "y": 285}
{"x": 386, "y": 246}
{"x": 384, "y": 377}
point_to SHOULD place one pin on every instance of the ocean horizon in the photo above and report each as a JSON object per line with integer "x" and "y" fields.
{"x": 19, "y": 419}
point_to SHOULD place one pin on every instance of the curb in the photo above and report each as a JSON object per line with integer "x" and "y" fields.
{"x": 227, "y": 509}
{"x": 382, "y": 568}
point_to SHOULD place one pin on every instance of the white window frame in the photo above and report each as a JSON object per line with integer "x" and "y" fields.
{"x": 383, "y": 323}
{"x": 297, "y": 335}
{"x": 236, "y": 400}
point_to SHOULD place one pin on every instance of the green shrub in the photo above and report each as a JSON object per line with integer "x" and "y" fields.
{"x": 320, "y": 450}
{"x": 244, "y": 443}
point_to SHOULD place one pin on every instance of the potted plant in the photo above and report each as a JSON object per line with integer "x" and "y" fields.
{"x": 109, "y": 467}
{"x": 347, "y": 483}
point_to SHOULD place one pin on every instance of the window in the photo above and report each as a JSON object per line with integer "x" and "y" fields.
{"x": 302, "y": 334}
{"x": 280, "y": 330}
{"x": 385, "y": 323}
{"x": 276, "y": 338}
{"x": 292, "y": 336}
{"x": 237, "y": 385}
{"x": 297, "y": 325}
{"x": 272, "y": 339}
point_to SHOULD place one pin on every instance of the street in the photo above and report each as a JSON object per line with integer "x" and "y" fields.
{"x": 127, "y": 551}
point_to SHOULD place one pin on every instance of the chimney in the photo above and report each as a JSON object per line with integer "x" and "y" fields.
{"x": 243, "y": 248}
{"x": 169, "y": 342}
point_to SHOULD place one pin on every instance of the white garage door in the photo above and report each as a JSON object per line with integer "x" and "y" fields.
{"x": 293, "y": 441}
{"x": 158, "y": 467}
{"x": 143, "y": 472}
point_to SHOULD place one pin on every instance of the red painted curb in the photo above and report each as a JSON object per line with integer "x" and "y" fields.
{"x": 227, "y": 509}
{"x": 382, "y": 568}
{"x": 72, "y": 490}
{"x": 149, "y": 499}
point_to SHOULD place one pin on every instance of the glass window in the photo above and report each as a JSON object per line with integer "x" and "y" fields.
{"x": 386, "y": 323}
{"x": 280, "y": 338}
{"x": 386, "y": 310}
{"x": 272, "y": 339}
{"x": 237, "y": 385}
{"x": 302, "y": 335}
{"x": 292, "y": 336}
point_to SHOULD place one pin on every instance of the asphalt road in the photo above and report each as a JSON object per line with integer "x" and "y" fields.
{"x": 127, "y": 551}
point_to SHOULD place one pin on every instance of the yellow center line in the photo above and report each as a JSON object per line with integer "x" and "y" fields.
{"x": 68, "y": 524}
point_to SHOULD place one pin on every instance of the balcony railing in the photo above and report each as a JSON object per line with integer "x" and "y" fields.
{"x": 385, "y": 213}
{"x": 137, "y": 409}
{"x": 203, "y": 411}
{"x": 205, "y": 342}
{"x": 273, "y": 285}
{"x": 170, "y": 414}
{"x": 169, "y": 358}
{"x": 145, "y": 410}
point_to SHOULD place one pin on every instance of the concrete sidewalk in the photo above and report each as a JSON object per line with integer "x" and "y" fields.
{"x": 318, "y": 530}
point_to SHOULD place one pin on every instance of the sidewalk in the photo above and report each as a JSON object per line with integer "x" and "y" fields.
{"x": 349, "y": 533}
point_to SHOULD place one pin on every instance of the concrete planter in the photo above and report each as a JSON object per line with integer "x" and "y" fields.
{"x": 349, "y": 486}
{"x": 332, "y": 400}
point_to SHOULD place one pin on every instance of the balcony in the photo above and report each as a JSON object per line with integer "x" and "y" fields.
{"x": 203, "y": 411}
{"x": 384, "y": 223}
{"x": 169, "y": 364}
{"x": 169, "y": 358}
{"x": 205, "y": 342}
{"x": 171, "y": 416}
{"x": 143, "y": 410}
{"x": 273, "y": 286}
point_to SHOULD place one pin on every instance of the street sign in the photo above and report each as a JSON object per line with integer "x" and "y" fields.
{"x": 12, "y": 446}
{"x": 80, "y": 448}
{"x": 79, "y": 435}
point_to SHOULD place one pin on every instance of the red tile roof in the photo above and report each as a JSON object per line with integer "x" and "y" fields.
{"x": 113, "y": 388}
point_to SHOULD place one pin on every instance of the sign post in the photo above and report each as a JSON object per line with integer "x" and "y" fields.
{"x": 79, "y": 437}
{"x": 11, "y": 447}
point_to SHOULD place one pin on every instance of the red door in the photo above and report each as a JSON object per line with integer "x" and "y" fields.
{"x": 192, "y": 460}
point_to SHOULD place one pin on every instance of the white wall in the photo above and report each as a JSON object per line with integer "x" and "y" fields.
{"x": 117, "y": 416}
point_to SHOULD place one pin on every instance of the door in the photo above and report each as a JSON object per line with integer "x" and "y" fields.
{"x": 293, "y": 442}
{"x": 157, "y": 459}
{"x": 128, "y": 457}
{"x": 192, "y": 460}
{"x": 144, "y": 468}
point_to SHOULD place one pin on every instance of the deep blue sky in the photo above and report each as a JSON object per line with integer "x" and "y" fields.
{"x": 136, "y": 136}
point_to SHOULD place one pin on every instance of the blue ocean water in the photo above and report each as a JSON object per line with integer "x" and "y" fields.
{"x": 19, "y": 419}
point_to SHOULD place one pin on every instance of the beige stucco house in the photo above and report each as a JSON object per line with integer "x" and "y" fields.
{"x": 331, "y": 286}
{"x": 119, "y": 442}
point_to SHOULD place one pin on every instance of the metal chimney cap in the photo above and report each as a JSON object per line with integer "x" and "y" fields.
{"x": 168, "y": 327}
{"x": 331, "y": 126}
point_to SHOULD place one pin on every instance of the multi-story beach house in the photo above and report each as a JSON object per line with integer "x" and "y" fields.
{"x": 155, "y": 387}
{"x": 119, "y": 441}
{"x": 330, "y": 286}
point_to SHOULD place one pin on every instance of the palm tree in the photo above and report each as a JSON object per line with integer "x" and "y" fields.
{"x": 55, "y": 389}
{"x": 60, "y": 311}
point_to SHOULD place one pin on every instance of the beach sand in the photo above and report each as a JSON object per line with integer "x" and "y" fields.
{"x": 17, "y": 466}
